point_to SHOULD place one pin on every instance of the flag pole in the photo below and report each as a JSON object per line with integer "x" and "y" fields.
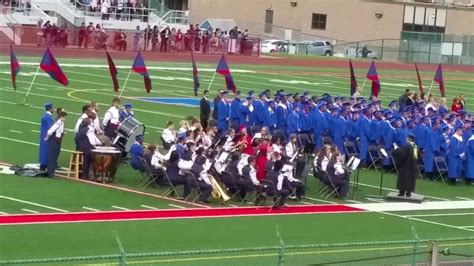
{"x": 210, "y": 83}
{"x": 31, "y": 85}
{"x": 125, "y": 84}
{"x": 363, "y": 84}
{"x": 431, "y": 86}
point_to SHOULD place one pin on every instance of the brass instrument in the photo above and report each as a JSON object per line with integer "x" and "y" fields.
{"x": 217, "y": 190}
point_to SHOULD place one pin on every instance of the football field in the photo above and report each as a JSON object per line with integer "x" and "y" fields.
{"x": 59, "y": 218}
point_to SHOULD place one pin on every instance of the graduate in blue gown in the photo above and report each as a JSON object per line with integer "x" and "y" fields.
{"x": 318, "y": 123}
{"x": 249, "y": 114}
{"x": 456, "y": 155}
{"x": 126, "y": 113}
{"x": 469, "y": 172}
{"x": 402, "y": 132}
{"x": 353, "y": 126}
{"x": 443, "y": 140}
{"x": 271, "y": 121}
{"x": 46, "y": 122}
{"x": 261, "y": 108}
{"x": 136, "y": 154}
{"x": 282, "y": 114}
{"x": 338, "y": 129}
{"x": 223, "y": 114}
{"x": 304, "y": 116}
{"x": 236, "y": 116}
{"x": 294, "y": 120}
{"x": 431, "y": 148}
{"x": 366, "y": 135}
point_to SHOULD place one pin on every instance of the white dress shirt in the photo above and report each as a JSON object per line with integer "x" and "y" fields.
{"x": 280, "y": 181}
{"x": 168, "y": 136}
{"x": 287, "y": 171}
{"x": 244, "y": 160}
{"x": 96, "y": 122}
{"x": 57, "y": 128}
{"x": 253, "y": 176}
{"x": 203, "y": 177}
{"x": 79, "y": 122}
{"x": 339, "y": 170}
{"x": 112, "y": 115}
{"x": 92, "y": 136}
{"x": 324, "y": 163}
{"x": 290, "y": 149}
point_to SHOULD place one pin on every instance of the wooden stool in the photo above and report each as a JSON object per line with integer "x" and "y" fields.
{"x": 75, "y": 165}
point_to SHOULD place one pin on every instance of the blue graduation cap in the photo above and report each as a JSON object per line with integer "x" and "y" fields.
{"x": 444, "y": 127}
{"x": 411, "y": 121}
{"x": 306, "y": 93}
{"x": 288, "y": 94}
{"x": 366, "y": 110}
{"x": 314, "y": 98}
{"x": 128, "y": 105}
{"x": 394, "y": 102}
{"x": 139, "y": 137}
{"x": 48, "y": 106}
{"x": 431, "y": 110}
{"x": 226, "y": 92}
{"x": 181, "y": 136}
{"x": 411, "y": 135}
{"x": 238, "y": 93}
{"x": 337, "y": 98}
{"x": 279, "y": 92}
{"x": 332, "y": 108}
{"x": 249, "y": 97}
{"x": 251, "y": 93}
{"x": 346, "y": 104}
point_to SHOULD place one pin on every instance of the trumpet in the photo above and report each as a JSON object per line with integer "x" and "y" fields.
{"x": 217, "y": 190}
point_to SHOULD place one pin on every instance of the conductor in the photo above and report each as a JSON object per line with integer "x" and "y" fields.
{"x": 406, "y": 158}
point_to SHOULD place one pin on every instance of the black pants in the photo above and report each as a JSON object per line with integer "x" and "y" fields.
{"x": 299, "y": 167}
{"x": 342, "y": 184}
{"x": 111, "y": 131}
{"x": 54, "y": 145}
{"x": 204, "y": 122}
{"x": 86, "y": 164}
{"x": 298, "y": 187}
{"x": 205, "y": 189}
{"x": 164, "y": 45}
{"x": 180, "y": 180}
{"x": 281, "y": 196}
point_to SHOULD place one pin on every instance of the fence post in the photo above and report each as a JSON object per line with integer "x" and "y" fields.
{"x": 122, "y": 261}
{"x": 416, "y": 245}
{"x": 281, "y": 252}
{"x": 381, "y": 50}
{"x": 357, "y": 50}
{"x": 433, "y": 255}
{"x": 429, "y": 53}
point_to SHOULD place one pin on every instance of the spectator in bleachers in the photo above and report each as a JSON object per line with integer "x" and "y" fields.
{"x": 89, "y": 34}
{"x": 104, "y": 9}
{"x": 172, "y": 40}
{"x": 63, "y": 36}
{"x": 137, "y": 38}
{"x": 148, "y": 33}
{"x": 179, "y": 41}
{"x": 39, "y": 33}
{"x": 120, "y": 40}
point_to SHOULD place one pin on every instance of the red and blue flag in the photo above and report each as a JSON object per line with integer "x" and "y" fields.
{"x": 224, "y": 70}
{"x": 374, "y": 77}
{"x": 439, "y": 79}
{"x": 195, "y": 76}
{"x": 113, "y": 71}
{"x": 140, "y": 68}
{"x": 353, "y": 78}
{"x": 14, "y": 66}
{"x": 50, "y": 66}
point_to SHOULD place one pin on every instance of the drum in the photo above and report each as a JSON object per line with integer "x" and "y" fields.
{"x": 105, "y": 163}
{"x": 126, "y": 133}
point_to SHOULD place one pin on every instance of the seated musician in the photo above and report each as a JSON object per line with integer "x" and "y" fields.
{"x": 249, "y": 175}
{"x": 263, "y": 134}
{"x": 295, "y": 157}
{"x": 184, "y": 126}
{"x": 195, "y": 124}
{"x": 201, "y": 177}
{"x": 136, "y": 154}
{"x": 168, "y": 135}
{"x": 154, "y": 159}
{"x": 275, "y": 157}
{"x": 86, "y": 141}
{"x": 172, "y": 171}
{"x": 208, "y": 138}
{"x": 291, "y": 182}
{"x": 126, "y": 112}
{"x": 229, "y": 137}
{"x": 181, "y": 146}
{"x": 111, "y": 119}
{"x": 277, "y": 145}
{"x": 190, "y": 152}
{"x": 321, "y": 162}
{"x": 234, "y": 181}
{"x": 95, "y": 109}
{"x": 277, "y": 178}
{"x": 261, "y": 161}
{"x": 338, "y": 174}
{"x": 245, "y": 142}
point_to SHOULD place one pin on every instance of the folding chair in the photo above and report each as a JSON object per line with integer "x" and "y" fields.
{"x": 351, "y": 149}
{"x": 194, "y": 186}
{"x": 231, "y": 186}
{"x": 327, "y": 140}
{"x": 333, "y": 189}
{"x": 269, "y": 191}
{"x": 374, "y": 156}
{"x": 441, "y": 168}
{"x": 254, "y": 130}
{"x": 146, "y": 176}
{"x": 394, "y": 164}
{"x": 171, "y": 189}
{"x": 321, "y": 175}
{"x": 306, "y": 142}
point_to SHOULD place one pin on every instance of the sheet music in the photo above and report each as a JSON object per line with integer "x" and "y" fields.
{"x": 355, "y": 164}
{"x": 350, "y": 161}
{"x": 384, "y": 153}
{"x": 223, "y": 157}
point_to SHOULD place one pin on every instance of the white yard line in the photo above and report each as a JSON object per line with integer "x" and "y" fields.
{"x": 120, "y": 208}
{"x": 469, "y": 226}
{"x": 320, "y": 200}
{"x": 32, "y": 203}
{"x": 15, "y": 131}
{"x": 149, "y": 207}
{"x": 27, "y": 142}
{"x": 307, "y": 203}
{"x": 91, "y": 209}
{"x": 441, "y": 214}
{"x": 429, "y": 222}
{"x": 177, "y": 206}
{"x": 3, "y": 213}
{"x": 30, "y": 211}
{"x": 462, "y": 198}
{"x": 35, "y": 131}
{"x": 406, "y": 206}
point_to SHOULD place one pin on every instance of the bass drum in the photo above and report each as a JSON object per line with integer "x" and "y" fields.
{"x": 127, "y": 132}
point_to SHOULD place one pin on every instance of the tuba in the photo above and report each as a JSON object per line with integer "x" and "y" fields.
{"x": 217, "y": 190}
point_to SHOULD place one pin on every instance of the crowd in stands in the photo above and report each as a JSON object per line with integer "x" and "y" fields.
{"x": 18, "y": 5}
{"x": 116, "y": 9}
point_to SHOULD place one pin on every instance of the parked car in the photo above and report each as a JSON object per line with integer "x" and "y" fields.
{"x": 318, "y": 47}
{"x": 273, "y": 46}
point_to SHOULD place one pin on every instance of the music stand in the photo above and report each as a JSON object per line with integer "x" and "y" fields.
{"x": 382, "y": 155}
{"x": 353, "y": 165}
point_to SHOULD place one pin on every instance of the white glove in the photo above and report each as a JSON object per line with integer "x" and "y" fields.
{"x": 462, "y": 155}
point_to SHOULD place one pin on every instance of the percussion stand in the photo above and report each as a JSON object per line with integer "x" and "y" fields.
{"x": 355, "y": 183}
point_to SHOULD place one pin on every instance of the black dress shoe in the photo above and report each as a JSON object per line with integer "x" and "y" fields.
{"x": 408, "y": 194}
{"x": 401, "y": 194}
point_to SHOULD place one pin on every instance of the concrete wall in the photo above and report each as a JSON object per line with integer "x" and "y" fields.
{"x": 347, "y": 20}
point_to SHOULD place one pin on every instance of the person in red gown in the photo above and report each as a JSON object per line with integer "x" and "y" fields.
{"x": 262, "y": 160}
{"x": 245, "y": 142}
{"x": 456, "y": 106}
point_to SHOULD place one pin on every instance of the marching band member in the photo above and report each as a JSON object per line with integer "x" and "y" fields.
{"x": 111, "y": 119}
{"x": 172, "y": 171}
{"x": 96, "y": 122}
{"x": 136, "y": 154}
{"x": 54, "y": 138}
{"x": 291, "y": 148}
{"x": 261, "y": 162}
{"x": 229, "y": 137}
{"x": 86, "y": 141}
{"x": 155, "y": 160}
{"x": 208, "y": 138}
{"x": 85, "y": 109}
{"x": 126, "y": 112}
{"x": 292, "y": 183}
{"x": 46, "y": 122}
{"x": 168, "y": 135}
{"x": 184, "y": 127}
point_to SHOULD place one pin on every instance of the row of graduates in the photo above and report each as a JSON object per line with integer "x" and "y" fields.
{"x": 438, "y": 132}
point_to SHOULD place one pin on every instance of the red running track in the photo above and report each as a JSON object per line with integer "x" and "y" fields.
{"x": 80, "y": 217}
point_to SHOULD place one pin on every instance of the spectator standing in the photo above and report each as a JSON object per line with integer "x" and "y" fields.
{"x": 187, "y": 41}
{"x": 164, "y": 34}
{"x": 179, "y": 41}
{"x": 462, "y": 102}
{"x": 154, "y": 37}
{"x": 63, "y": 36}
{"x": 197, "y": 38}
{"x": 148, "y": 32}
{"x": 82, "y": 34}
{"x": 233, "y": 35}
{"x": 96, "y": 34}
{"x": 172, "y": 40}
{"x": 137, "y": 37}
{"x": 89, "y": 34}
{"x": 205, "y": 41}
{"x": 53, "y": 41}
{"x": 104, "y": 9}
{"x": 39, "y": 33}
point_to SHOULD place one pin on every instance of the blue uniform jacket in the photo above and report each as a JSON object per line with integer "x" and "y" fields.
{"x": 46, "y": 122}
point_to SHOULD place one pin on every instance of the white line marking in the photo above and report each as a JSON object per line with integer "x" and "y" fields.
{"x": 406, "y": 206}
{"x": 27, "y": 142}
{"x": 430, "y": 222}
{"x": 15, "y": 131}
{"x": 149, "y": 207}
{"x": 32, "y": 203}
{"x": 42, "y": 89}
{"x": 469, "y": 226}
{"x": 354, "y": 201}
{"x": 91, "y": 209}
{"x": 463, "y": 198}
{"x": 375, "y": 200}
{"x": 31, "y": 211}
{"x": 320, "y": 200}
{"x": 441, "y": 214}
{"x": 35, "y": 131}
{"x": 120, "y": 208}
{"x": 3, "y": 213}
{"x": 177, "y": 206}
